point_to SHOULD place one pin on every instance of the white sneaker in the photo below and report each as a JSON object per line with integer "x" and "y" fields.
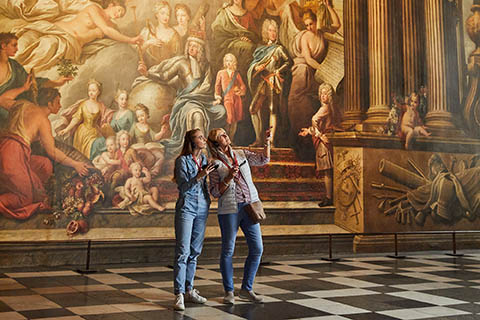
{"x": 193, "y": 296}
{"x": 229, "y": 298}
{"x": 179, "y": 304}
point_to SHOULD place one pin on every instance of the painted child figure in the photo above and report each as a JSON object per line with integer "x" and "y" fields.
{"x": 230, "y": 88}
{"x": 322, "y": 123}
{"x": 123, "y": 118}
{"x": 144, "y": 138}
{"x": 137, "y": 197}
{"x": 411, "y": 125}
{"x": 109, "y": 161}
{"x": 126, "y": 155}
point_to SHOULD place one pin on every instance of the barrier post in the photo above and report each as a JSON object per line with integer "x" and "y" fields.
{"x": 396, "y": 256}
{"x": 87, "y": 263}
{"x": 330, "y": 255}
{"x": 454, "y": 247}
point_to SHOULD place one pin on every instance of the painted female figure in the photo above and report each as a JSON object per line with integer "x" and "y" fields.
{"x": 310, "y": 49}
{"x": 161, "y": 41}
{"x": 183, "y": 15}
{"x": 89, "y": 115}
{"x": 234, "y": 32}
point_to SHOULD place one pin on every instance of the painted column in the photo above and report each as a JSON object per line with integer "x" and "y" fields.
{"x": 356, "y": 70}
{"x": 380, "y": 62}
{"x": 439, "y": 117}
{"x": 412, "y": 46}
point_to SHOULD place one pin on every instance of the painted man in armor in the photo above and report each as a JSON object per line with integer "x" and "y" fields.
{"x": 266, "y": 78}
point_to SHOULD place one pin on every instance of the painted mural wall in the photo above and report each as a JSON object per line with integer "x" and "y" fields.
{"x": 133, "y": 77}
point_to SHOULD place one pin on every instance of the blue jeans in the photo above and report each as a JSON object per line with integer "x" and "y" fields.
{"x": 189, "y": 233}
{"x": 229, "y": 224}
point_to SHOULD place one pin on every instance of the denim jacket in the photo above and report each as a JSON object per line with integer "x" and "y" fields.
{"x": 188, "y": 187}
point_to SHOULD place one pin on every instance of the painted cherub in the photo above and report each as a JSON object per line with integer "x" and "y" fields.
{"x": 411, "y": 124}
{"x": 126, "y": 155}
{"x": 138, "y": 197}
{"x": 108, "y": 161}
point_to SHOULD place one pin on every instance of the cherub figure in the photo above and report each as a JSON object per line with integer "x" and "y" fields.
{"x": 411, "y": 124}
{"x": 138, "y": 197}
{"x": 109, "y": 161}
{"x": 126, "y": 156}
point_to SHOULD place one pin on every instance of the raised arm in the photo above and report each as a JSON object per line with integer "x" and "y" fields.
{"x": 7, "y": 99}
{"x": 335, "y": 19}
{"x": 148, "y": 176}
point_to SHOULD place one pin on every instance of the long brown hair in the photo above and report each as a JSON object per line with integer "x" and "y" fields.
{"x": 188, "y": 146}
{"x": 212, "y": 142}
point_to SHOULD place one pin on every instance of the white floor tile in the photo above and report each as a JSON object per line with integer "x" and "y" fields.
{"x": 425, "y": 286}
{"x": 329, "y": 306}
{"x": 351, "y": 282}
{"x": 339, "y": 293}
{"x": 427, "y": 298}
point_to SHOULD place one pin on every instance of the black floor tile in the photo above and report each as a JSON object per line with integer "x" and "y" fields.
{"x": 458, "y": 274}
{"x": 77, "y": 280}
{"x": 272, "y": 311}
{"x": 465, "y": 294}
{"x": 73, "y": 299}
{"x": 110, "y": 316}
{"x": 160, "y": 315}
{"x": 40, "y": 282}
{"x": 4, "y": 307}
{"x": 376, "y": 302}
{"x": 290, "y": 296}
{"x": 306, "y": 285}
{"x": 368, "y": 316}
{"x": 327, "y": 267}
{"x": 400, "y": 303}
{"x": 114, "y": 297}
{"x": 46, "y": 313}
{"x": 149, "y": 276}
{"x": 390, "y": 279}
{"x": 17, "y": 292}
{"x": 468, "y": 307}
{"x": 127, "y": 286}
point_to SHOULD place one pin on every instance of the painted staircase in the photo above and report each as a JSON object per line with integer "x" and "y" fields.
{"x": 285, "y": 178}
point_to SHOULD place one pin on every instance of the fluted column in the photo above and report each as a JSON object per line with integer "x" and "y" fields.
{"x": 439, "y": 117}
{"x": 412, "y": 48}
{"x": 379, "y": 48}
{"x": 356, "y": 70}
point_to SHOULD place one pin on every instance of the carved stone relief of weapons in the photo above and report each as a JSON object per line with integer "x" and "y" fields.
{"x": 348, "y": 188}
{"x": 441, "y": 195}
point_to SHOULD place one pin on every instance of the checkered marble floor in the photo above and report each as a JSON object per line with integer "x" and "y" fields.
{"x": 422, "y": 286}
